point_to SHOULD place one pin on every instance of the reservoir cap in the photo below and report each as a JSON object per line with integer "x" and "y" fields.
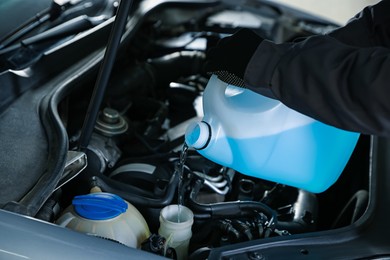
{"x": 99, "y": 206}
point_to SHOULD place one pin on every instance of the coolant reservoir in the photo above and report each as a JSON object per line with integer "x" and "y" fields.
{"x": 263, "y": 138}
{"x": 108, "y": 216}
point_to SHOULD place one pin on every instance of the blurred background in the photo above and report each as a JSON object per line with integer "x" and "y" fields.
{"x": 339, "y": 11}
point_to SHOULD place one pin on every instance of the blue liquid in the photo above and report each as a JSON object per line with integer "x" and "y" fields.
{"x": 180, "y": 170}
{"x": 311, "y": 157}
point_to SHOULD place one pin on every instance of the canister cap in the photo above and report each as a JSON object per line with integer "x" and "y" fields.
{"x": 99, "y": 206}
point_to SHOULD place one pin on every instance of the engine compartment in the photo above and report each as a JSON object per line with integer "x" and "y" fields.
{"x": 135, "y": 151}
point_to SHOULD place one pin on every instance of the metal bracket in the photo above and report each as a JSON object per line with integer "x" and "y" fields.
{"x": 76, "y": 162}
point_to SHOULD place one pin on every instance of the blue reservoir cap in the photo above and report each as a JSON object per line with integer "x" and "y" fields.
{"x": 99, "y": 206}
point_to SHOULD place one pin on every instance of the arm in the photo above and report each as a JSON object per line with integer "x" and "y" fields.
{"x": 328, "y": 78}
{"x": 340, "y": 85}
{"x": 371, "y": 27}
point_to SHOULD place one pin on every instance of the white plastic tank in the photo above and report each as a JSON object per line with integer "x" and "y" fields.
{"x": 108, "y": 216}
{"x": 263, "y": 138}
{"x": 176, "y": 227}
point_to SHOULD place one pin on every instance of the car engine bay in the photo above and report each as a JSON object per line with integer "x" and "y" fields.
{"x": 135, "y": 152}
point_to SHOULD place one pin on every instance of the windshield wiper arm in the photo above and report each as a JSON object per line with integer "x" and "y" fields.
{"x": 71, "y": 27}
{"x": 49, "y": 14}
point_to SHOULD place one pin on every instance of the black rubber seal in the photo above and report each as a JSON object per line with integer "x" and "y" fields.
{"x": 208, "y": 139}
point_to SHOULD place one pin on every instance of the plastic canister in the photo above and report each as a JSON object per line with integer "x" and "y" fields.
{"x": 108, "y": 216}
{"x": 263, "y": 138}
{"x": 176, "y": 227}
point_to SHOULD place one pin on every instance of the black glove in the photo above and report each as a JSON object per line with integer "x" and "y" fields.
{"x": 229, "y": 59}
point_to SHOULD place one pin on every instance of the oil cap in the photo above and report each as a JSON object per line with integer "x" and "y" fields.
{"x": 99, "y": 206}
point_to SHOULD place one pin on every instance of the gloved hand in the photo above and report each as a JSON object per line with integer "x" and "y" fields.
{"x": 229, "y": 59}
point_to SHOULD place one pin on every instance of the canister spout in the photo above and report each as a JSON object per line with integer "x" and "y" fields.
{"x": 198, "y": 135}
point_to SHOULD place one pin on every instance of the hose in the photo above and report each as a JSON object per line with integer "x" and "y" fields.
{"x": 135, "y": 195}
{"x": 172, "y": 66}
{"x": 305, "y": 211}
{"x": 359, "y": 203}
{"x": 230, "y": 208}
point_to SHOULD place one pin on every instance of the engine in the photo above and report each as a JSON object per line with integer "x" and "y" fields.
{"x": 137, "y": 163}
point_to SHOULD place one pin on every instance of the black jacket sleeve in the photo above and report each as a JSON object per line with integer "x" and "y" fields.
{"x": 341, "y": 79}
{"x": 369, "y": 28}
